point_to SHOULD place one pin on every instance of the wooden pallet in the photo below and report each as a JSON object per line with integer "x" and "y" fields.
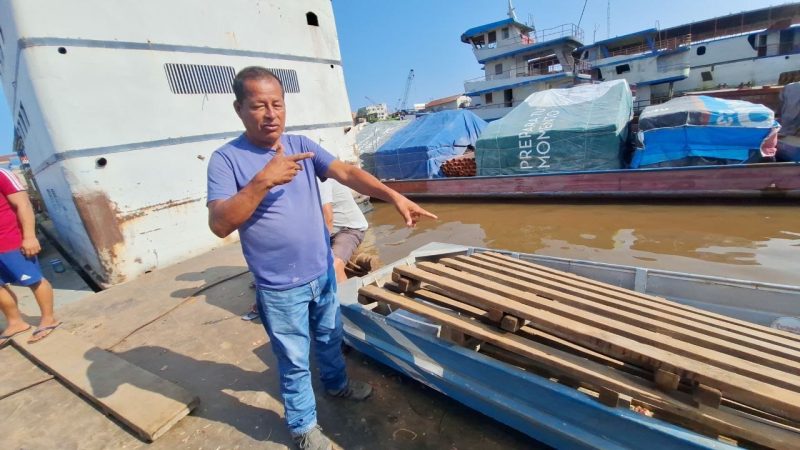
{"x": 712, "y": 373}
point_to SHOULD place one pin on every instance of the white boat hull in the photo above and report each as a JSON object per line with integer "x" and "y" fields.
{"x": 118, "y": 155}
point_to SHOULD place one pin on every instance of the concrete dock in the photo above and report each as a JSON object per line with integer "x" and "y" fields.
{"x": 182, "y": 324}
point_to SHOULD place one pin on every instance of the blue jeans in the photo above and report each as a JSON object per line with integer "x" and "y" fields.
{"x": 291, "y": 318}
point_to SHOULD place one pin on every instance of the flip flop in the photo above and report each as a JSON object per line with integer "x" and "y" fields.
{"x": 6, "y": 338}
{"x": 37, "y": 334}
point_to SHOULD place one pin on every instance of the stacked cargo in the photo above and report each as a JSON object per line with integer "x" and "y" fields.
{"x": 420, "y": 149}
{"x": 577, "y": 129}
{"x": 460, "y": 166}
{"x": 702, "y": 130}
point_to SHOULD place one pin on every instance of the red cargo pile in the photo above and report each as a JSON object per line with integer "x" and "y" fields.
{"x": 460, "y": 166}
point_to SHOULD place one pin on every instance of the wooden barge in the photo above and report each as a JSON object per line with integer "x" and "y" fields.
{"x": 771, "y": 181}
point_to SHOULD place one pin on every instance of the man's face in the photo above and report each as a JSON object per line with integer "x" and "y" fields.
{"x": 262, "y": 111}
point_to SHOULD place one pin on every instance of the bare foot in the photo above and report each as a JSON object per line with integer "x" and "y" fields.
{"x": 42, "y": 332}
{"x": 16, "y": 328}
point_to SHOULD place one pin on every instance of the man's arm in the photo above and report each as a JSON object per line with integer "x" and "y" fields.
{"x": 225, "y": 216}
{"x": 21, "y": 205}
{"x": 363, "y": 182}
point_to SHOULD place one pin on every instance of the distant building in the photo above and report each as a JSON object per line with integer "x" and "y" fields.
{"x": 373, "y": 112}
{"x": 452, "y": 102}
{"x": 419, "y": 107}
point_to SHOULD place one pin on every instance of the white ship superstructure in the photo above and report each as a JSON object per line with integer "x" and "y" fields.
{"x": 751, "y": 48}
{"x": 119, "y": 104}
{"x": 518, "y": 61}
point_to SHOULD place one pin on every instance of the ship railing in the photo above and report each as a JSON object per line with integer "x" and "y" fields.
{"x": 535, "y": 37}
{"x": 639, "y": 105}
{"x": 496, "y": 105}
{"x": 660, "y": 45}
{"x": 528, "y": 70}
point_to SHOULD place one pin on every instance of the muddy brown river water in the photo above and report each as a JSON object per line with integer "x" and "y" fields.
{"x": 740, "y": 241}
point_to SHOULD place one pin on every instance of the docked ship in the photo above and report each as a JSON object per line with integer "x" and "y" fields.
{"x": 518, "y": 60}
{"x": 751, "y": 48}
{"x": 118, "y": 106}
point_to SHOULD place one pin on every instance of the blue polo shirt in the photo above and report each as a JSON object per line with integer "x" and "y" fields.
{"x": 285, "y": 242}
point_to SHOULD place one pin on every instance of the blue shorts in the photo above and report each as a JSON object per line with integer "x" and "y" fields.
{"x": 19, "y": 270}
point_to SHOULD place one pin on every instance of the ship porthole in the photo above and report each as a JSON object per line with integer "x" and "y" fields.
{"x": 332, "y": 65}
{"x": 62, "y": 50}
{"x": 101, "y": 162}
{"x": 311, "y": 19}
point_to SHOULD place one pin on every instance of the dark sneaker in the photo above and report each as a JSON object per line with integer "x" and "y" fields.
{"x": 355, "y": 390}
{"x": 313, "y": 439}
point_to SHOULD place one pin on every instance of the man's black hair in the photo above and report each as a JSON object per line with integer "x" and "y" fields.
{"x": 252, "y": 73}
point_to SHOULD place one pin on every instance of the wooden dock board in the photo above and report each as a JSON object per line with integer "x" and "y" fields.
{"x": 568, "y": 365}
{"x": 664, "y": 313}
{"x": 607, "y": 319}
{"x": 618, "y": 310}
{"x": 148, "y": 404}
{"x": 778, "y": 336}
{"x": 766, "y": 396}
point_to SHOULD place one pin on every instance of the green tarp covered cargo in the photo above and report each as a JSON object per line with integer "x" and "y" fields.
{"x": 581, "y": 128}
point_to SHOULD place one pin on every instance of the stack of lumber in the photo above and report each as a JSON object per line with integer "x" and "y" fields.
{"x": 460, "y": 166}
{"x": 711, "y": 373}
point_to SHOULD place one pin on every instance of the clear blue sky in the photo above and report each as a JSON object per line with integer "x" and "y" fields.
{"x": 381, "y": 40}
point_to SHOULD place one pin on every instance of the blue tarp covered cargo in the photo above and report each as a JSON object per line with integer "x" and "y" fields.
{"x": 700, "y": 130}
{"x": 420, "y": 149}
{"x": 581, "y": 128}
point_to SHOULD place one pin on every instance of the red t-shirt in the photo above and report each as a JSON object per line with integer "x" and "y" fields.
{"x": 10, "y": 234}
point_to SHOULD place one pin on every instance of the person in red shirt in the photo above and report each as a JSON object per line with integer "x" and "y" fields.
{"x": 18, "y": 263}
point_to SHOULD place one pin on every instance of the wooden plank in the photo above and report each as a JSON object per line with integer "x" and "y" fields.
{"x": 567, "y": 365}
{"x": 494, "y": 314}
{"x": 666, "y": 381}
{"x": 148, "y": 404}
{"x": 624, "y": 312}
{"x": 18, "y": 372}
{"x": 404, "y": 284}
{"x": 526, "y": 331}
{"x": 771, "y": 398}
{"x": 774, "y": 335}
{"x": 511, "y": 323}
{"x": 664, "y": 313}
{"x": 607, "y": 319}
{"x": 707, "y": 395}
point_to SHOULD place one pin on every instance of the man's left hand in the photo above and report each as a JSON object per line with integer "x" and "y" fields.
{"x": 30, "y": 247}
{"x": 411, "y": 212}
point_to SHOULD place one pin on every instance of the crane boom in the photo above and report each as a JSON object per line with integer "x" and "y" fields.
{"x": 401, "y": 105}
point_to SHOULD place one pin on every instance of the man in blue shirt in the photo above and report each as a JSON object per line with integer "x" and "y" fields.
{"x": 263, "y": 184}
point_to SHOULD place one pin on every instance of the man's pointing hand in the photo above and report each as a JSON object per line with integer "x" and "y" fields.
{"x": 282, "y": 168}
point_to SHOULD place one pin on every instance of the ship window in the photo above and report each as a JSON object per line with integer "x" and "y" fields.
{"x": 478, "y": 42}
{"x": 498, "y": 69}
{"x": 492, "y": 37}
{"x": 706, "y": 76}
{"x": 312, "y": 20}
{"x": 701, "y": 50}
{"x": 505, "y": 33}
{"x": 622, "y": 68}
{"x": 488, "y": 98}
